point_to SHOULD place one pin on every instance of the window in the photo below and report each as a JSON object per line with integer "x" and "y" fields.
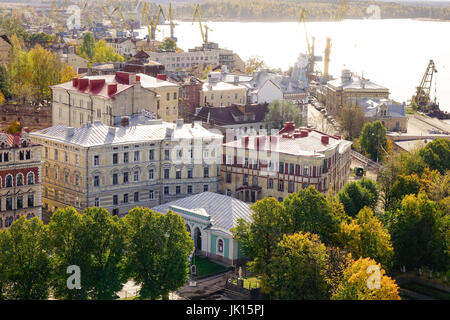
{"x": 115, "y": 178}
{"x": 66, "y": 177}
{"x": 190, "y": 173}
{"x": 228, "y": 192}
{"x": 19, "y": 180}
{"x": 168, "y": 96}
{"x": 270, "y": 184}
{"x": 189, "y": 189}
{"x": 96, "y": 181}
{"x": 205, "y": 188}
{"x": 97, "y": 202}
{"x": 56, "y": 173}
{"x": 166, "y": 155}
{"x": 46, "y": 152}
{"x": 8, "y": 181}
{"x": 255, "y": 180}
{"x": 115, "y": 158}
{"x": 291, "y": 168}
{"x": 6, "y": 157}
{"x": 125, "y": 198}
{"x": 166, "y": 173}
{"x": 96, "y": 160}
{"x": 115, "y": 200}
{"x": 174, "y": 96}
{"x": 136, "y": 176}
{"x": 125, "y": 177}
{"x": 305, "y": 171}
{"x": 281, "y": 185}
{"x": 30, "y": 202}
{"x": 151, "y": 154}
{"x": 136, "y": 156}
{"x": 151, "y": 174}
{"x": 228, "y": 177}
{"x": 56, "y": 154}
{"x": 21, "y": 155}
{"x": 281, "y": 167}
{"x": 206, "y": 172}
{"x": 8, "y": 204}
{"x": 245, "y": 180}
{"x": 125, "y": 157}
{"x": 291, "y": 186}
{"x": 77, "y": 180}
{"x": 220, "y": 246}
{"x": 166, "y": 190}
{"x": 206, "y": 154}
{"x": 19, "y": 202}
{"x": 178, "y": 189}
{"x": 246, "y": 163}
{"x": 178, "y": 174}
{"x": 136, "y": 197}
{"x": 66, "y": 157}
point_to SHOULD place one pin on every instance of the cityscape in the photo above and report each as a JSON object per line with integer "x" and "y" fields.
{"x": 145, "y": 155}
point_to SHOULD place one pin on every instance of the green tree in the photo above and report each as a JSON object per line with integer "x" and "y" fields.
{"x": 104, "y": 239}
{"x": 310, "y": 212}
{"x": 436, "y": 155}
{"x": 419, "y": 234}
{"x": 158, "y": 247}
{"x": 168, "y": 44}
{"x": 366, "y": 237}
{"x": 86, "y": 48}
{"x": 25, "y": 260}
{"x": 105, "y": 53}
{"x": 281, "y": 111}
{"x": 404, "y": 185}
{"x": 356, "y": 195}
{"x": 351, "y": 119}
{"x": 373, "y": 140}
{"x": 5, "y": 82}
{"x": 354, "y": 285}
{"x": 300, "y": 251}
{"x": 68, "y": 247}
{"x": 260, "y": 237}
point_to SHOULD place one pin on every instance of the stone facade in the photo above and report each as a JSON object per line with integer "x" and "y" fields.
{"x": 35, "y": 118}
{"x": 20, "y": 178}
{"x": 121, "y": 168}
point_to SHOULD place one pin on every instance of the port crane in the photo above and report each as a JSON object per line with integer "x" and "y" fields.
{"x": 172, "y": 24}
{"x": 422, "y": 96}
{"x": 152, "y": 23}
{"x": 326, "y": 61}
{"x": 111, "y": 19}
{"x": 204, "y": 34}
{"x": 310, "y": 46}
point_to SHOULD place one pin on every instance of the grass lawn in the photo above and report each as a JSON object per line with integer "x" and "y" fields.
{"x": 206, "y": 267}
{"x": 251, "y": 282}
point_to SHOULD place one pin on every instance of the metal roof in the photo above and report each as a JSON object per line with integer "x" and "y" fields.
{"x": 224, "y": 210}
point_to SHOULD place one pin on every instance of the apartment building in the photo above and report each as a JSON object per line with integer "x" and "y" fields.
{"x": 108, "y": 98}
{"x": 120, "y": 168}
{"x": 20, "y": 178}
{"x": 123, "y": 46}
{"x": 255, "y": 167}
{"x": 174, "y": 61}
{"x": 217, "y": 93}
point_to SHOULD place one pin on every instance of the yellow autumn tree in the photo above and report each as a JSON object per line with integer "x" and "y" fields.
{"x": 366, "y": 280}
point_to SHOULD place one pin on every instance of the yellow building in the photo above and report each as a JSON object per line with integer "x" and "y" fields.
{"x": 217, "y": 93}
{"x": 256, "y": 167}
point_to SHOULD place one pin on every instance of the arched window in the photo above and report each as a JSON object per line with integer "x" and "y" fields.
{"x": 8, "y": 181}
{"x": 8, "y": 222}
{"x": 188, "y": 228}
{"x": 19, "y": 179}
{"x": 1, "y": 182}
{"x": 30, "y": 178}
{"x": 220, "y": 246}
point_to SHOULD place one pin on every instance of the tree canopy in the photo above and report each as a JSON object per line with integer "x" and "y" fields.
{"x": 373, "y": 140}
{"x": 281, "y": 111}
{"x": 356, "y": 195}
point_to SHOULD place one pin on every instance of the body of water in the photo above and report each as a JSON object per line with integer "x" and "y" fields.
{"x": 392, "y": 53}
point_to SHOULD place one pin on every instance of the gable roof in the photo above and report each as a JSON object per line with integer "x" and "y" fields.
{"x": 223, "y": 210}
{"x": 231, "y": 115}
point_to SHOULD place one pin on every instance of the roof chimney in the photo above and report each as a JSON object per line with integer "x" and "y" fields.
{"x": 161, "y": 76}
{"x": 125, "y": 121}
{"x": 325, "y": 139}
{"x": 112, "y": 88}
{"x": 180, "y": 123}
{"x": 70, "y": 131}
{"x": 75, "y": 82}
{"x": 112, "y": 131}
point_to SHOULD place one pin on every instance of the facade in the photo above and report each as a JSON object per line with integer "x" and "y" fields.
{"x": 173, "y": 61}
{"x": 209, "y": 218}
{"x": 190, "y": 88}
{"x": 5, "y": 50}
{"x": 348, "y": 90}
{"x": 123, "y": 46}
{"x": 119, "y": 168}
{"x": 150, "y": 68}
{"x": 226, "y": 57}
{"x": 392, "y": 115}
{"x": 76, "y": 61}
{"x": 20, "y": 178}
{"x": 106, "y": 98}
{"x": 259, "y": 166}
{"x": 217, "y": 93}
{"x": 32, "y": 117}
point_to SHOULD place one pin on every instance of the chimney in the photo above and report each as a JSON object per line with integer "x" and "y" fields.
{"x": 161, "y": 76}
{"x": 95, "y": 83}
{"x": 325, "y": 139}
{"x": 75, "y": 82}
{"x": 112, "y": 131}
{"x": 83, "y": 83}
{"x": 180, "y": 123}
{"x": 70, "y": 131}
{"x": 112, "y": 88}
{"x": 290, "y": 125}
{"x": 125, "y": 121}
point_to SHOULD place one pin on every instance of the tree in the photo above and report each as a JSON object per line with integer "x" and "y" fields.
{"x": 404, "y": 185}
{"x": 351, "y": 120}
{"x": 86, "y": 48}
{"x": 168, "y": 44}
{"x": 300, "y": 251}
{"x": 356, "y": 284}
{"x": 157, "y": 248}
{"x": 254, "y": 63}
{"x": 366, "y": 237}
{"x": 14, "y": 127}
{"x": 281, "y": 111}
{"x": 419, "y": 234}
{"x": 67, "y": 247}
{"x": 260, "y": 237}
{"x": 436, "y": 155}
{"x": 356, "y": 195}
{"x": 25, "y": 260}
{"x": 104, "y": 238}
{"x": 105, "y": 53}
{"x": 5, "y": 82}
{"x": 373, "y": 140}
{"x": 310, "y": 212}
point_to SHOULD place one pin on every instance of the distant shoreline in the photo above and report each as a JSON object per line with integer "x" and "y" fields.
{"x": 290, "y": 20}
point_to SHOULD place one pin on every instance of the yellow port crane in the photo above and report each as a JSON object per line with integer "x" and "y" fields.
{"x": 126, "y": 25}
{"x": 172, "y": 24}
{"x": 110, "y": 19}
{"x": 198, "y": 15}
{"x": 302, "y": 18}
{"x": 152, "y": 22}
{"x": 422, "y": 96}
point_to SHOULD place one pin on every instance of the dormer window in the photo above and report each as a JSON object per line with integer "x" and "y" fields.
{"x": 220, "y": 246}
